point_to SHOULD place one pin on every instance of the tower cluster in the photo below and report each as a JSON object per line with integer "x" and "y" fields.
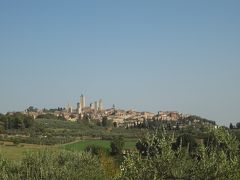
{"x": 96, "y": 106}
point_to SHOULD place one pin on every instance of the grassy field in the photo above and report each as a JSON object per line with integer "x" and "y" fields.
{"x": 17, "y": 152}
{"x": 81, "y": 145}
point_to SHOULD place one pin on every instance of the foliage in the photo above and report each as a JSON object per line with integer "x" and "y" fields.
{"x": 114, "y": 124}
{"x": 194, "y": 117}
{"x": 86, "y": 119}
{"x": 55, "y": 131}
{"x": 149, "y": 144}
{"x": 16, "y": 121}
{"x": 163, "y": 162}
{"x": 117, "y": 145}
{"x": 238, "y": 125}
{"x": 46, "y": 165}
{"x": 222, "y": 140}
{"x": 186, "y": 140}
{"x": 216, "y": 158}
{"x": 50, "y": 116}
{"x": 93, "y": 149}
{"x": 32, "y": 109}
{"x": 109, "y": 165}
{"x": 8, "y": 169}
{"x": 106, "y": 122}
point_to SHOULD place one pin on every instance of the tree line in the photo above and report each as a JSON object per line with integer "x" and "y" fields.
{"x": 237, "y": 126}
{"x": 15, "y": 121}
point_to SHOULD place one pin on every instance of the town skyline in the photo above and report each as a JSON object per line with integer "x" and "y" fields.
{"x": 107, "y": 105}
{"x": 97, "y": 111}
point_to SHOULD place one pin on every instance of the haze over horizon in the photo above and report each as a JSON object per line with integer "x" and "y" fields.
{"x": 145, "y": 55}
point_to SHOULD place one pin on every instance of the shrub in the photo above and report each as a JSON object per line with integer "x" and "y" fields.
{"x": 53, "y": 165}
{"x": 61, "y": 165}
{"x": 186, "y": 140}
{"x": 117, "y": 145}
{"x": 167, "y": 163}
{"x": 93, "y": 149}
{"x": 109, "y": 165}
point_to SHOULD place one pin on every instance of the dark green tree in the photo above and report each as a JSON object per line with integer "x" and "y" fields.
{"x": 238, "y": 125}
{"x": 186, "y": 140}
{"x": 114, "y": 124}
{"x": 177, "y": 126}
{"x": 104, "y": 121}
{"x": 93, "y": 149}
{"x": 117, "y": 145}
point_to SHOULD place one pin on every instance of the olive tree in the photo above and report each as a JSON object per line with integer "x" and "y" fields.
{"x": 219, "y": 160}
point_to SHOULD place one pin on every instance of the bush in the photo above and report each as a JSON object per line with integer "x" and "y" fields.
{"x": 167, "y": 163}
{"x": 150, "y": 145}
{"x": 117, "y": 145}
{"x": 62, "y": 165}
{"x": 53, "y": 165}
{"x": 93, "y": 149}
{"x": 16, "y": 141}
{"x": 8, "y": 169}
{"x": 186, "y": 140}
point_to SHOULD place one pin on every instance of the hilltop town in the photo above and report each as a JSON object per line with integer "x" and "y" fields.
{"x": 119, "y": 117}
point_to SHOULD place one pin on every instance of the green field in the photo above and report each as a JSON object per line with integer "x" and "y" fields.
{"x": 81, "y": 145}
{"x": 17, "y": 152}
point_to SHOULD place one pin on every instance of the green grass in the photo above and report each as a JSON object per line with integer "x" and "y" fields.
{"x": 130, "y": 144}
{"x": 17, "y": 152}
{"x": 81, "y": 145}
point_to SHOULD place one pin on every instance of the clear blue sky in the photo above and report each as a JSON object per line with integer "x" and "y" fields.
{"x": 148, "y": 55}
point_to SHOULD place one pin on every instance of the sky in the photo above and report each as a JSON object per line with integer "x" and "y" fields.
{"x": 152, "y": 55}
